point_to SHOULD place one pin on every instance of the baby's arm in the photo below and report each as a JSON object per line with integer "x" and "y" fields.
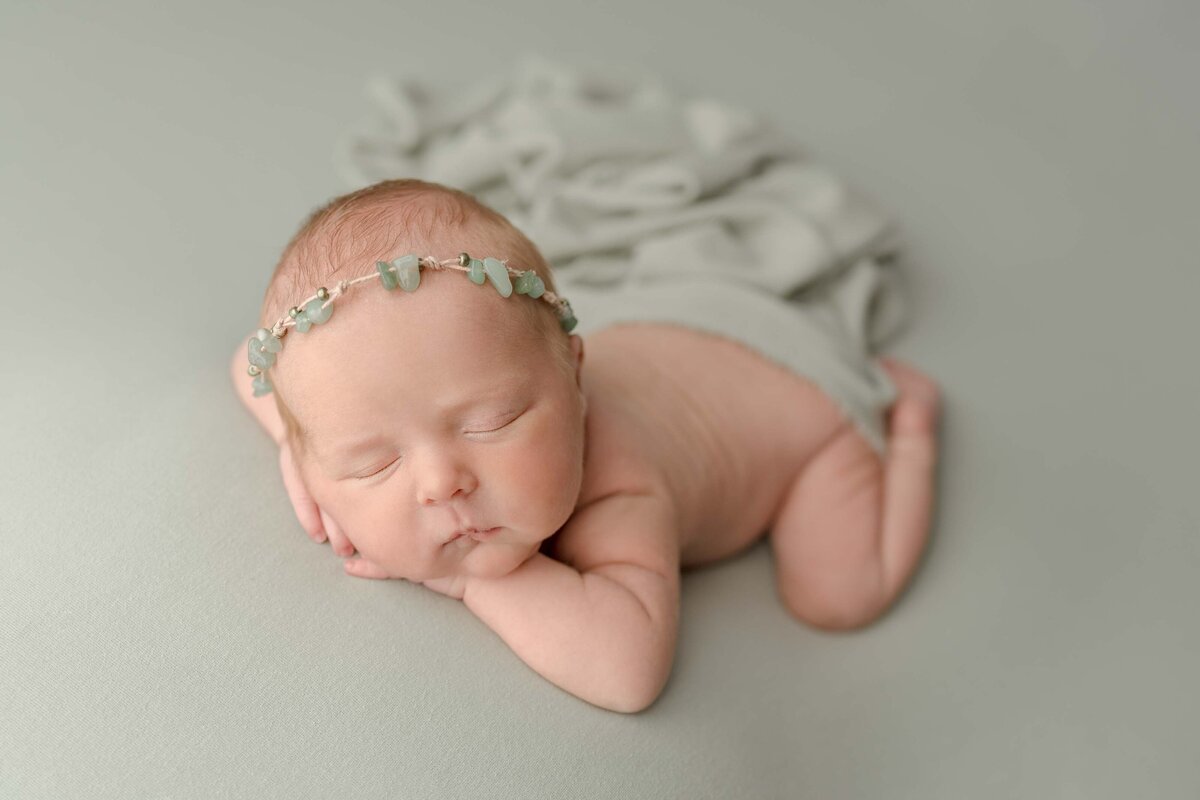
{"x": 602, "y": 626}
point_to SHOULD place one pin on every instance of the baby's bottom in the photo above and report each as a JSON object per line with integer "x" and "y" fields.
{"x": 853, "y": 526}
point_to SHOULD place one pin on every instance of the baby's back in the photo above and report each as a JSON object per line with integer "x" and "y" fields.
{"x": 712, "y": 423}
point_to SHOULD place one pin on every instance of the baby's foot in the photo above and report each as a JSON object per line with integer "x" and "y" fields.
{"x": 918, "y": 403}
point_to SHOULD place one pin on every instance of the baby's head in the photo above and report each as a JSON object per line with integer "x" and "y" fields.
{"x": 415, "y": 415}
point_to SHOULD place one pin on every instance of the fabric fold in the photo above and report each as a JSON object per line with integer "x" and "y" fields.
{"x": 653, "y": 205}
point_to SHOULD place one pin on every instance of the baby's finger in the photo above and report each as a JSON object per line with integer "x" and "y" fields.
{"x": 340, "y": 543}
{"x": 302, "y": 502}
{"x": 361, "y": 568}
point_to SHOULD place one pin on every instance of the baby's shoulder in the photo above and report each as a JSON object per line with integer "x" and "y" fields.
{"x": 625, "y": 528}
{"x": 624, "y": 512}
{"x": 616, "y": 459}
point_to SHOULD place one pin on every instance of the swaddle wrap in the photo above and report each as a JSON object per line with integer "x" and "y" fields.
{"x": 654, "y": 207}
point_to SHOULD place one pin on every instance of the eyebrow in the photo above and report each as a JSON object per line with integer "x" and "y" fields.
{"x": 498, "y": 388}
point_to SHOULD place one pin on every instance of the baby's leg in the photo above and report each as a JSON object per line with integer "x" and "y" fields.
{"x": 852, "y": 528}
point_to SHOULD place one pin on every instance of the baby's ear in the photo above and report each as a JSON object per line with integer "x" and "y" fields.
{"x": 577, "y": 352}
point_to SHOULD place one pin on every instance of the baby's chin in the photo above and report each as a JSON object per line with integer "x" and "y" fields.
{"x": 493, "y": 559}
{"x": 483, "y": 560}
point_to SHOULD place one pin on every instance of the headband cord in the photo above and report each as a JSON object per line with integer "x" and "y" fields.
{"x": 404, "y": 272}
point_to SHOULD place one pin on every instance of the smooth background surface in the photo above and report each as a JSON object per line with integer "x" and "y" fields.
{"x": 167, "y": 630}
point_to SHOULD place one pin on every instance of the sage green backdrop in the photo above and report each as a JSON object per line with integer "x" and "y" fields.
{"x": 168, "y": 631}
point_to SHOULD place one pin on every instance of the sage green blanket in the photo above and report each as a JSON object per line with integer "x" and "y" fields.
{"x": 652, "y": 206}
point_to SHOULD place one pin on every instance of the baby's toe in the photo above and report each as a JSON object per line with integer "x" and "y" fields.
{"x": 910, "y": 418}
{"x": 912, "y": 384}
{"x": 918, "y": 402}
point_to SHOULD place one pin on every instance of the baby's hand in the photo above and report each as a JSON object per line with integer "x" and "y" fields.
{"x": 316, "y": 522}
{"x": 454, "y": 586}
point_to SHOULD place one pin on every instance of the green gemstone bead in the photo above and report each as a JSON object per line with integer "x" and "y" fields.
{"x": 537, "y": 287}
{"x": 303, "y": 323}
{"x": 476, "y": 272}
{"x": 568, "y": 324}
{"x": 316, "y": 314}
{"x": 261, "y": 386}
{"x": 498, "y": 275}
{"x": 523, "y": 282}
{"x": 409, "y": 269}
{"x": 386, "y": 275}
{"x": 258, "y": 357}
{"x": 271, "y": 344}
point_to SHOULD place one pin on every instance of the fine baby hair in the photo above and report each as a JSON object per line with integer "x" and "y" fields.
{"x": 404, "y": 272}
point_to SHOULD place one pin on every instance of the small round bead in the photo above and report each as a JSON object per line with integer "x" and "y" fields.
{"x": 464, "y": 259}
{"x": 323, "y": 294}
{"x": 293, "y": 312}
{"x": 253, "y": 370}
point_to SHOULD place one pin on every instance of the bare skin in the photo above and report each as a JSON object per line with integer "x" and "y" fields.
{"x": 695, "y": 447}
{"x": 746, "y": 448}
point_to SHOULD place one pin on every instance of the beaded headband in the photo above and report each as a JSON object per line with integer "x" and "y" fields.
{"x": 406, "y": 273}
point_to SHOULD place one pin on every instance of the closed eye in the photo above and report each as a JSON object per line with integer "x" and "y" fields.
{"x": 376, "y": 472}
{"x": 493, "y": 430}
{"x": 505, "y": 425}
{"x": 390, "y": 463}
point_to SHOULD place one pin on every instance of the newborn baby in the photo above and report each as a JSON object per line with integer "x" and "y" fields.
{"x": 459, "y": 438}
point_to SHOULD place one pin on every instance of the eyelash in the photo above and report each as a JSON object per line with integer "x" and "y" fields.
{"x": 393, "y": 461}
{"x": 493, "y": 430}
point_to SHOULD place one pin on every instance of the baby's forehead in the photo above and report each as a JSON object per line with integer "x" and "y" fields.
{"x": 440, "y": 372}
{"x": 422, "y": 364}
{"x": 358, "y": 404}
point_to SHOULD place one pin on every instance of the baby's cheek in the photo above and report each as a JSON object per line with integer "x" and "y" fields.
{"x": 388, "y": 546}
{"x": 365, "y": 517}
